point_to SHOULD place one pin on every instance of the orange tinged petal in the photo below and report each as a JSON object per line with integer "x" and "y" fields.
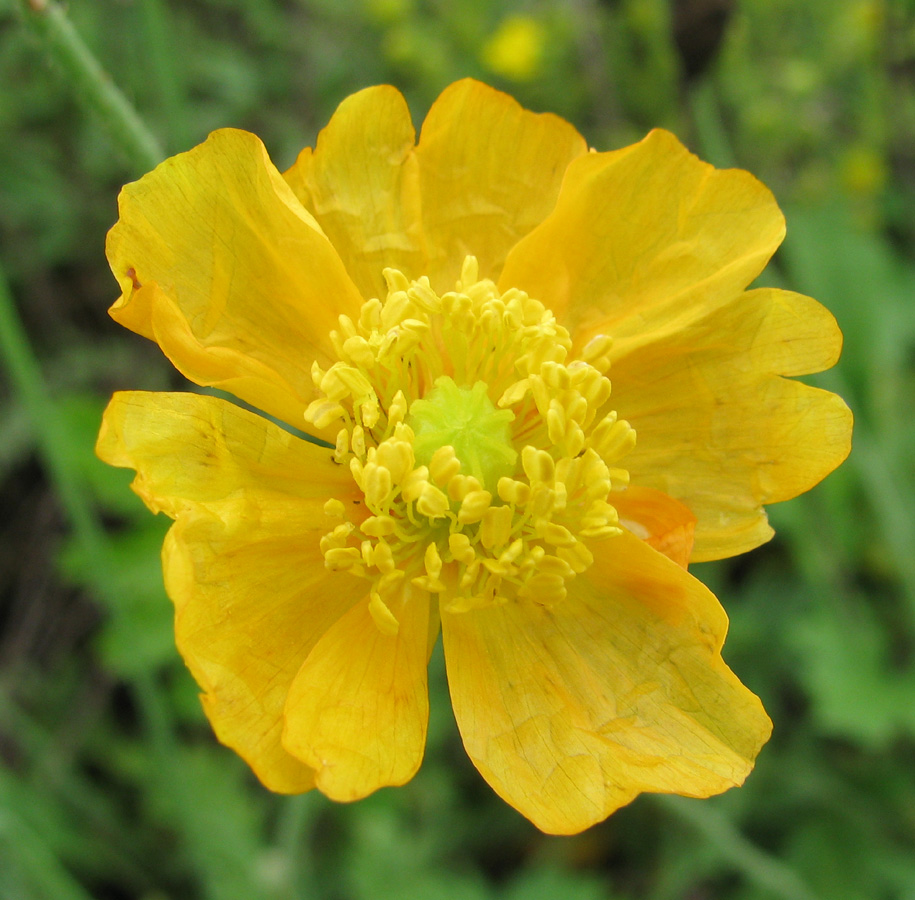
{"x": 489, "y": 172}
{"x": 659, "y": 520}
{"x": 223, "y": 267}
{"x": 358, "y": 709}
{"x": 570, "y": 712}
{"x": 718, "y": 427}
{"x": 242, "y": 562}
{"x": 644, "y": 240}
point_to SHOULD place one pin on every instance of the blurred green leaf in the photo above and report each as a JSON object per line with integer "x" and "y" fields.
{"x": 844, "y": 655}
{"x": 225, "y": 821}
{"x": 548, "y": 883}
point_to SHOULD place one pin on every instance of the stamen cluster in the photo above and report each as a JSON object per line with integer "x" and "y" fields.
{"x": 508, "y": 519}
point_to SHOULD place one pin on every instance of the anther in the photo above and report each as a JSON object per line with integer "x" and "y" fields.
{"x": 358, "y": 441}
{"x": 383, "y": 557}
{"x": 382, "y": 616}
{"x": 557, "y": 535}
{"x": 459, "y": 486}
{"x": 473, "y": 506}
{"x": 612, "y": 438}
{"x": 496, "y": 526}
{"x": 377, "y": 485}
{"x": 470, "y": 273}
{"x": 578, "y": 556}
{"x": 461, "y": 548}
{"x": 412, "y": 486}
{"x": 432, "y": 561}
{"x": 544, "y": 588}
{"x": 334, "y": 508}
{"x": 432, "y": 502}
{"x": 514, "y": 492}
{"x": 597, "y": 352}
{"x": 359, "y": 351}
{"x": 397, "y": 457}
{"x": 537, "y": 464}
{"x": 553, "y": 565}
{"x": 321, "y": 413}
{"x": 555, "y": 375}
{"x": 370, "y": 315}
{"x": 397, "y": 410}
{"x": 378, "y": 526}
{"x": 338, "y": 558}
{"x": 336, "y": 538}
{"x": 444, "y": 465}
{"x": 433, "y": 565}
{"x": 341, "y": 450}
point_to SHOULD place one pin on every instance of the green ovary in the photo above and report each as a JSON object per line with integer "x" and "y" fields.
{"x": 467, "y": 420}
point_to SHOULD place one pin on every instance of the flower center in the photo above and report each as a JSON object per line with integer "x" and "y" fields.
{"x": 487, "y": 462}
{"x": 465, "y": 419}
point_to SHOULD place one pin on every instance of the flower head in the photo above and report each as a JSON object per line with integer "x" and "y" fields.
{"x": 448, "y": 317}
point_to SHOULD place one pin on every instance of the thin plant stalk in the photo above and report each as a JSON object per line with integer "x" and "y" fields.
{"x": 91, "y": 84}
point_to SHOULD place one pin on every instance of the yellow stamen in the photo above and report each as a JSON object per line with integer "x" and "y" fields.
{"x": 484, "y": 457}
{"x": 383, "y": 617}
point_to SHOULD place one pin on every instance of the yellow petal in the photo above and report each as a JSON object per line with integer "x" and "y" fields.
{"x": 645, "y": 239}
{"x": 490, "y": 171}
{"x": 659, "y": 520}
{"x": 242, "y": 563}
{"x": 251, "y": 602}
{"x": 192, "y": 451}
{"x": 358, "y": 709}
{"x": 361, "y": 183}
{"x": 720, "y": 430}
{"x": 226, "y": 270}
{"x": 572, "y": 711}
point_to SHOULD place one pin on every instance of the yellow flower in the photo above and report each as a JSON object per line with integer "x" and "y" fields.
{"x": 445, "y": 315}
{"x": 516, "y": 48}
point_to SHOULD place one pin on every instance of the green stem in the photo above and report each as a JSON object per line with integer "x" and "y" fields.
{"x": 714, "y": 143}
{"x": 156, "y": 25}
{"x": 765, "y": 871}
{"x": 92, "y": 84}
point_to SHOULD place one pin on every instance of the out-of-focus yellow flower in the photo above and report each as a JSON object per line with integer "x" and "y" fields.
{"x": 516, "y": 48}
{"x": 445, "y": 315}
{"x": 863, "y": 172}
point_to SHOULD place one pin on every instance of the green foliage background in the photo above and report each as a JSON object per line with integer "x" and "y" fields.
{"x": 111, "y": 784}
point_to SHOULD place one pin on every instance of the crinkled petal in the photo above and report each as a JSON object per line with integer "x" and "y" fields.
{"x": 193, "y": 450}
{"x": 223, "y": 267}
{"x": 659, "y": 520}
{"x": 361, "y": 182}
{"x": 358, "y": 708}
{"x": 718, "y": 427}
{"x": 645, "y": 240}
{"x": 570, "y": 712}
{"x": 242, "y": 562}
{"x": 489, "y": 171}
{"x": 251, "y": 602}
